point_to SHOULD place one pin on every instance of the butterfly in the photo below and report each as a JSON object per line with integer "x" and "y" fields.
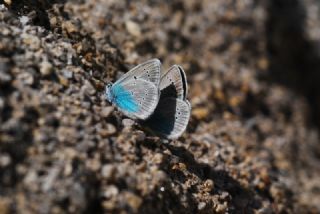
{"x": 171, "y": 116}
{"x": 136, "y": 93}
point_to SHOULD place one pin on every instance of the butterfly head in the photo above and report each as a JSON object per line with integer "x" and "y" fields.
{"x": 108, "y": 93}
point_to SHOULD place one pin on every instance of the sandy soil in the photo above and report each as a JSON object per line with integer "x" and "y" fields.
{"x": 252, "y": 144}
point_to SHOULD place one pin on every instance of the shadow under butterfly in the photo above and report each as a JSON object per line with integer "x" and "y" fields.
{"x": 171, "y": 116}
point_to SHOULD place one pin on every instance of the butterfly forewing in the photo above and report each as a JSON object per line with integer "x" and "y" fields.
{"x": 136, "y": 98}
{"x": 173, "y": 83}
{"x": 149, "y": 71}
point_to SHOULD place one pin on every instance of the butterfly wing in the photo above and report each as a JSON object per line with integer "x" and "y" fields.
{"x": 170, "y": 118}
{"x": 174, "y": 83}
{"x": 149, "y": 71}
{"x": 136, "y": 98}
{"x": 172, "y": 114}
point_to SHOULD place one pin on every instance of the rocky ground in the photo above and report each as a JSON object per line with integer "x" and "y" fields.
{"x": 252, "y": 144}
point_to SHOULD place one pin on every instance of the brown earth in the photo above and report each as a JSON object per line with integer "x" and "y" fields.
{"x": 252, "y": 144}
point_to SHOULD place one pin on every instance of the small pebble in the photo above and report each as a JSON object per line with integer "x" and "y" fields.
{"x": 88, "y": 88}
{"x": 127, "y": 122}
{"x": 50, "y": 178}
{"x": 200, "y": 113}
{"x": 4, "y": 78}
{"x": 141, "y": 136}
{"x": 5, "y": 160}
{"x": 24, "y": 20}
{"x": 158, "y": 158}
{"x": 133, "y": 200}
{"x": 46, "y": 68}
{"x": 110, "y": 191}
{"x": 201, "y": 205}
{"x": 108, "y": 130}
{"x": 70, "y": 27}
{"x": 133, "y": 28}
{"x": 27, "y": 78}
{"x": 1, "y": 103}
{"x": 108, "y": 171}
{"x": 67, "y": 74}
{"x": 63, "y": 81}
{"x": 32, "y": 42}
{"x": 106, "y": 111}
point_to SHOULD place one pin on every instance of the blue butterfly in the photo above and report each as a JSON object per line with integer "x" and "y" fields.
{"x": 172, "y": 114}
{"x": 136, "y": 93}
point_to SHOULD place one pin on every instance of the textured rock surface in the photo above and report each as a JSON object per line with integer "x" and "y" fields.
{"x": 252, "y": 142}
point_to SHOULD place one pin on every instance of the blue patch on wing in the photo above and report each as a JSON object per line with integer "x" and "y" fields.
{"x": 124, "y": 99}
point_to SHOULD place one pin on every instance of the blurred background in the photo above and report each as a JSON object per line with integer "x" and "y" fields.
{"x": 252, "y": 144}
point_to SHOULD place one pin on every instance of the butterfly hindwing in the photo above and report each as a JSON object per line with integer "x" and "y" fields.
{"x": 149, "y": 71}
{"x": 136, "y": 98}
{"x": 172, "y": 114}
{"x": 170, "y": 118}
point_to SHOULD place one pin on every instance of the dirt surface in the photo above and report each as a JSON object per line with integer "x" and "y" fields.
{"x": 251, "y": 146}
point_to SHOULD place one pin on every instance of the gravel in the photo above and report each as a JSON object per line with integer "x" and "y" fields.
{"x": 249, "y": 147}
